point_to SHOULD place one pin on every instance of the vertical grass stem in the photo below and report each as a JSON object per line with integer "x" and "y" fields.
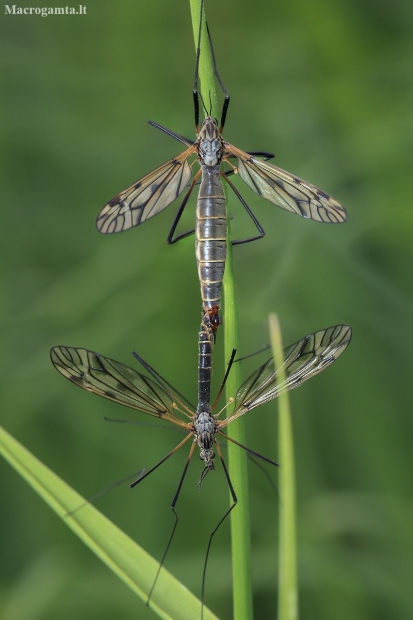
{"x": 240, "y": 518}
{"x": 287, "y": 587}
{"x": 237, "y": 458}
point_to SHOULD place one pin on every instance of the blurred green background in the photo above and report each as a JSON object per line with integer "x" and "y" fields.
{"x": 328, "y": 86}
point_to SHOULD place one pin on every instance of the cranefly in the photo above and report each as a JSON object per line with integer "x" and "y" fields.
{"x": 153, "y": 396}
{"x": 155, "y": 191}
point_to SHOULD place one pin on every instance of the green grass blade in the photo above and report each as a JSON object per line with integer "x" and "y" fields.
{"x": 237, "y": 458}
{"x": 170, "y": 599}
{"x": 287, "y": 588}
{"x": 207, "y": 85}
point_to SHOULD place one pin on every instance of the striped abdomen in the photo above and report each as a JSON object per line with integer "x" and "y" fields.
{"x": 205, "y": 344}
{"x": 211, "y": 239}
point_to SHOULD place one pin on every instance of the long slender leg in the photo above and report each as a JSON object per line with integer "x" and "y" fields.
{"x": 250, "y": 213}
{"x": 173, "y": 504}
{"x": 265, "y": 472}
{"x": 257, "y": 454}
{"x": 133, "y": 484}
{"x": 103, "y": 491}
{"x": 198, "y": 53}
{"x": 235, "y": 502}
{"x": 171, "y": 133}
{"x": 161, "y": 427}
{"x": 221, "y": 389}
{"x": 158, "y": 377}
{"x": 221, "y": 83}
{"x": 170, "y": 238}
{"x": 266, "y": 157}
{"x": 264, "y": 154}
{"x": 228, "y": 173}
{"x": 260, "y": 467}
{"x": 245, "y": 357}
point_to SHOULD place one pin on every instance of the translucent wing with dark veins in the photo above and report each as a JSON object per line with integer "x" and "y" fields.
{"x": 146, "y": 197}
{"x": 113, "y": 381}
{"x": 302, "y": 360}
{"x": 286, "y": 190}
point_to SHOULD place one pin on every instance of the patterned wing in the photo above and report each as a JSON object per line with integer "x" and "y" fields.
{"x": 146, "y": 197}
{"x": 113, "y": 380}
{"x": 302, "y": 360}
{"x": 286, "y": 190}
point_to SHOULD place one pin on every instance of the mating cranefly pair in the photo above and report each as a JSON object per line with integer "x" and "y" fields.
{"x": 151, "y": 394}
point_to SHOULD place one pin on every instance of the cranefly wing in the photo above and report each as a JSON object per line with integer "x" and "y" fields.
{"x": 146, "y": 197}
{"x": 286, "y": 190}
{"x": 114, "y": 381}
{"x": 302, "y": 360}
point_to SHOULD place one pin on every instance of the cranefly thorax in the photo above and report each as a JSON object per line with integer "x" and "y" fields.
{"x": 205, "y": 427}
{"x": 210, "y": 143}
